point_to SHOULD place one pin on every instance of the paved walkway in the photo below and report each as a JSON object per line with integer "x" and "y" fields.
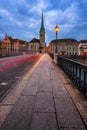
{"x": 40, "y": 102}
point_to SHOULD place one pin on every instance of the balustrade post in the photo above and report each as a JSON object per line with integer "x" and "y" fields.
{"x": 85, "y": 73}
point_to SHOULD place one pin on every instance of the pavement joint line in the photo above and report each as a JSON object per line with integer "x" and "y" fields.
{"x": 54, "y": 97}
{"x": 43, "y": 112}
{"x": 27, "y": 95}
{"x": 44, "y": 91}
{"x": 6, "y": 104}
{"x": 70, "y": 127}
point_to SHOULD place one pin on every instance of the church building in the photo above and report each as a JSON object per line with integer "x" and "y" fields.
{"x": 38, "y": 45}
{"x": 42, "y": 33}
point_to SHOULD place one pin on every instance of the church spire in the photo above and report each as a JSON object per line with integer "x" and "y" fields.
{"x": 42, "y": 23}
{"x": 42, "y": 32}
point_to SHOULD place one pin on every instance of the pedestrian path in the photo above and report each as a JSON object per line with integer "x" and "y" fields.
{"x": 44, "y": 103}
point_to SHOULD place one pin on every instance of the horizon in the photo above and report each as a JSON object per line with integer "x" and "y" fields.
{"x": 49, "y": 42}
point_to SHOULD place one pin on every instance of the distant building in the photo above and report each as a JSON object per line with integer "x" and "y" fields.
{"x": 0, "y": 45}
{"x": 34, "y": 45}
{"x": 11, "y": 45}
{"x": 64, "y": 46}
{"x": 83, "y": 47}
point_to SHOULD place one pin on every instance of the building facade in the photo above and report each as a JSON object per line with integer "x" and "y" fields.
{"x": 10, "y": 45}
{"x": 34, "y": 45}
{"x": 83, "y": 47}
{"x": 64, "y": 47}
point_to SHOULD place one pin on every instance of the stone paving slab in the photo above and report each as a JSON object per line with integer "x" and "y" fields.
{"x": 30, "y": 90}
{"x": 58, "y": 87}
{"x": 44, "y": 103}
{"x": 44, "y": 121}
{"x": 67, "y": 114}
{"x": 45, "y": 88}
{"x": 4, "y": 110}
{"x": 31, "y": 87}
{"x": 12, "y": 97}
{"x": 45, "y": 84}
{"x": 20, "y": 116}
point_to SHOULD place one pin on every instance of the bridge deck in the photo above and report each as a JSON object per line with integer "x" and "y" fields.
{"x": 40, "y": 102}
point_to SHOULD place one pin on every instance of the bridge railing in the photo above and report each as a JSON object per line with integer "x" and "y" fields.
{"x": 76, "y": 71}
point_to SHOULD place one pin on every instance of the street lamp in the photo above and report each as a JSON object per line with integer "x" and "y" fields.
{"x": 56, "y": 29}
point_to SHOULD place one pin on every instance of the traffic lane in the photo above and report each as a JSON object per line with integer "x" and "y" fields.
{"x": 13, "y": 61}
{"x": 9, "y": 77}
{"x": 12, "y": 57}
{"x": 9, "y": 58}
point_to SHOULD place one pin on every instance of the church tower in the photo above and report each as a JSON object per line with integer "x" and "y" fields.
{"x": 42, "y": 33}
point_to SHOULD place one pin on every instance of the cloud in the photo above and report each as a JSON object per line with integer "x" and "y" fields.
{"x": 24, "y": 17}
{"x": 32, "y": 23}
{"x": 71, "y": 12}
{"x": 39, "y": 6}
{"x": 9, "y": 18}
{"x": 66, "y": 19}
{"x": 51, "y": 18}
{"x": 4, "y": 13}
{"x": 6, "y": 16}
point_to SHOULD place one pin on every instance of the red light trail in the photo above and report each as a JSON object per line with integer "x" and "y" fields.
{"x": 15, "y": 61}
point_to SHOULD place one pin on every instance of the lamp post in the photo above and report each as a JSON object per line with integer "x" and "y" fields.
{"x": 56, "y": 29}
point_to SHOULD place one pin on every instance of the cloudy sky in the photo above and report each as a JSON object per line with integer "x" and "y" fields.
{"x": 22, "y": 18}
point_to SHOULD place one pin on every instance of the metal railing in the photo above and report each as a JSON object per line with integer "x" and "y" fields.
{"x": 76, "y": 71}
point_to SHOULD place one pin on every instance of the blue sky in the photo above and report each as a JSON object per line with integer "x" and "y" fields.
{"x": 22, "y": 18}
